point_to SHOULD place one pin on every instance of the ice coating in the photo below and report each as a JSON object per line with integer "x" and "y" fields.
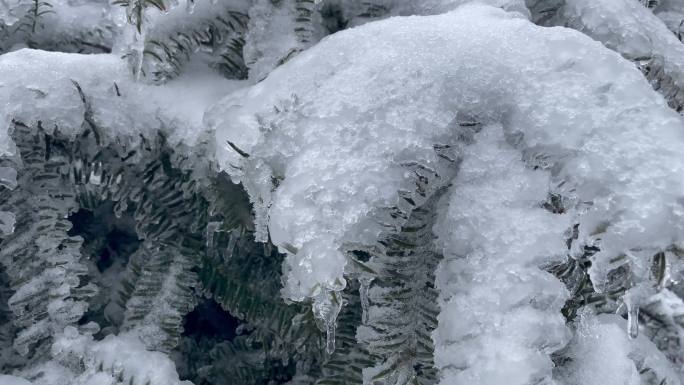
{"x": 318, "y": 144}
{"x": 81, "y": 360}
{"x": 356, "y": 11}
{"x": 501, "y": 314}
{"x": 273, "y": 36}
{"x": 64, "y": 22}
{"x": 48, "y": 93}
{"x": 603, "y": 354}
{"x": 636, "y": 33}
{"x": 671, "y": 12}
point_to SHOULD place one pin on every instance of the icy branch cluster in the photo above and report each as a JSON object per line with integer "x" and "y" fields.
{"x": 523, "y": 157}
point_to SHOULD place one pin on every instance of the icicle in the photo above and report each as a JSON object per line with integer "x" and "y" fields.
{"x": 190, "y": 6}
{"x": 138, "y": 48}
{"x": 8, "y": 178}
{"x": 212, "y": 227}
{"x": 7, "y": 222}
{"x": 326, "y": 307}
{"x": 632, "y": 299}
{"x": 96, "y": 175}
{"x": 365, "y": 282}
{"x": 235, "y": 236}
{"x": 136, "y": 36}
{"x": 661, "y": 270}
{"x": 632, "y": 320}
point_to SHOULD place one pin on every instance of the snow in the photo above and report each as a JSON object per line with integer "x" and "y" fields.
{"x": 79, "y": 360}
{"x": 172, "y": 27}
{"x": 352, "y": 9}
{"x": 89, "y": 21}
{"x": 330, "y": 143}
{"x": 47, "y": 94}
{"x": 322, "y": 139}
{"x": 500, "y": 313}
{"x": 600, "y": 355}
{"x": 633, "y": 31}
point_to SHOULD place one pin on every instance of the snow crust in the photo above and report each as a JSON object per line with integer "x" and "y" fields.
{"x": 323, "y": 137}
{"x": 501, "y": 315}
{"x": 602, "y": 354}
{"x": 633, "y": 31}
{"x": 48, "y": 94}
{"x": 352, "y": 9}
{"x": 80, "y": 360}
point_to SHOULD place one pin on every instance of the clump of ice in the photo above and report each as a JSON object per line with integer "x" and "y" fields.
{"x": 602, "y": 354}
{"x": 500, "y": 316}
{"x": 38, "y": 86}
{"x": 320, "y": 142}
{"x": 633, "y": 31}
{"x": 80, "y": 360}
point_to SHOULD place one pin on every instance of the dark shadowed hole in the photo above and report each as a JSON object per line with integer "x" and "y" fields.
{"x": 108, "y": 243}
{"x": 105, "y": 237}
{"x": 208, "y": 319}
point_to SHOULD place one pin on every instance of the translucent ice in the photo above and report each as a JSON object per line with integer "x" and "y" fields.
{"x": 320, "y": 143}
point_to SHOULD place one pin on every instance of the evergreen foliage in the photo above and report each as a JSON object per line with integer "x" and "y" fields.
{"x": 105, "y": 236}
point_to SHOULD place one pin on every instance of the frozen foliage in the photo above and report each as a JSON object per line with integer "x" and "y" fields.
{"x": 277, "y": 31}
{"x": 358, "y": 12}
{"x": 602, "y": 354}
{"x": 317, "y": 196}
{"x": 74, "y": 130}
{"x": 671, "y": 12}
{"x": 49, "y": 94}
{"x": 456, "y": 193}
{"x": 184, "y": 32}
{"x": 69, "y": 26}
{"x": 121, "y": 359}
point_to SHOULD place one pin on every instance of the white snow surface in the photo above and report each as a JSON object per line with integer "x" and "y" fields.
{"x": 80, "y": 360}
{"x": 603, "y": 354}
{"x": 628, "y": 28}
{"x": 326, "y": 133}
{"x": 501, "y": 314}
{"x": 39, "y": 86}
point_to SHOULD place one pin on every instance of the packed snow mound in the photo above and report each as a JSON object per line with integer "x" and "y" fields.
{"x": 121, "y": 359}
{"x": 38, "y": 86}
{"x": 321, "y": 143}
{"x": 603, "y": 354}
{"x": 501, "y": 314}
{"x": 635, "y": 32}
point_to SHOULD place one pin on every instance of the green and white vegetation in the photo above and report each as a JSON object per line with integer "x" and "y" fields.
{"x": 341, "y": 192}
